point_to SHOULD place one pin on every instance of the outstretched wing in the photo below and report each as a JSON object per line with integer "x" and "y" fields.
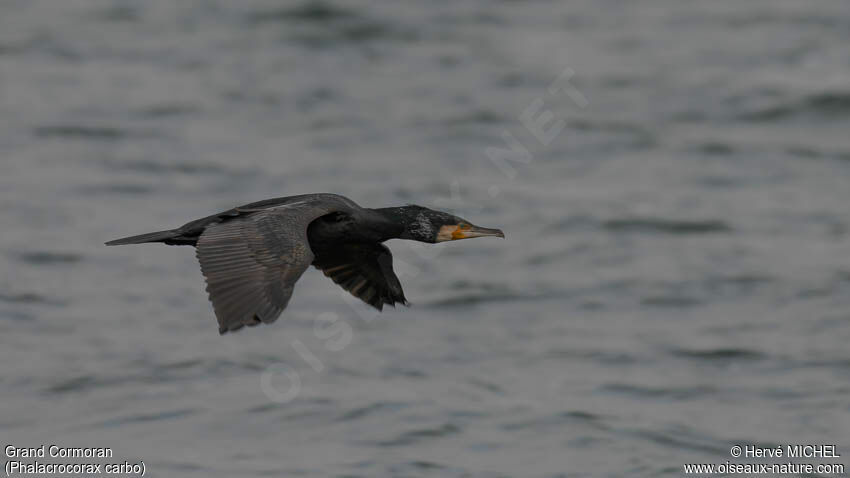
{"x": 365, "y": 270}
{"x": 251, "y": 262}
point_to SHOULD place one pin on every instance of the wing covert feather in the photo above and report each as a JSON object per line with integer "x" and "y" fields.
{"x": 251, "y": 262}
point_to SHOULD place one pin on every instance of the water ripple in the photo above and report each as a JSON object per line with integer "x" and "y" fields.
{"x": 81, "y": 132}
{"x": 719, "y": 354}
{"x": 374, "y": 408}
{"x": 50, "y": 257}
{"x": 317, "y": 12}
{"x": 558, "y": 420}
{"x": 146, "y": 417}
{"x": 825, "y": 104}
{"x": 673, "y": 393}
{"x": 667, "y": 226}
{"x": 423, "y": 434}
{"x": 29, "y": 298}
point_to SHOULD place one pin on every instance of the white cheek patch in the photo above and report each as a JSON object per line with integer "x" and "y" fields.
{"x": 446, "y": 233}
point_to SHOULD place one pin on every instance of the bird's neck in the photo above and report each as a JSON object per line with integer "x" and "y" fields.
{"x": 367, "y": 225}
{"x": 387, "y": 222}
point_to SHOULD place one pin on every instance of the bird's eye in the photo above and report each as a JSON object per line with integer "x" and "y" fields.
{"x": 464, "y": 226}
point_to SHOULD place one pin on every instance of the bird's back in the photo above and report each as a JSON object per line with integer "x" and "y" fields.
{"x": 189, "y": 233}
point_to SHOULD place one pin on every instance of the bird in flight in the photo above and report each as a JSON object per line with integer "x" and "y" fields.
{"x": 251, "y": 256}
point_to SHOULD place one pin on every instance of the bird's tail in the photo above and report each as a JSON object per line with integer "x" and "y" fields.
{"x": 160, "y": 236}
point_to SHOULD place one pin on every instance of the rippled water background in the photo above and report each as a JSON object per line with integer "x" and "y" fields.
{"x": 675, "y": 279}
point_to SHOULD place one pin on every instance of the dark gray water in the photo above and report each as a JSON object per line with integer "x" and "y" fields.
{"x": 675, "y": 279}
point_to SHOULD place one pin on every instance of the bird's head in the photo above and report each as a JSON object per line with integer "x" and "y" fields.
{"x": 427, "y": 225}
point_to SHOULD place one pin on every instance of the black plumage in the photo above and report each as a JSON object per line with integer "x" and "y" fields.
{"x": 252, "y": 255}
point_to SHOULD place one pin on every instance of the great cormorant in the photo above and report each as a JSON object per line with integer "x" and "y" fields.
{"x": 251, "y": 256}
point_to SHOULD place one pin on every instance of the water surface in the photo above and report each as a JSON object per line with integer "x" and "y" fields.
{"x": 675, "y": 278}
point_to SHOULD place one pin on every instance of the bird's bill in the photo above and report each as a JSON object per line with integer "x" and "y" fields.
{"x": 466, "y": 231}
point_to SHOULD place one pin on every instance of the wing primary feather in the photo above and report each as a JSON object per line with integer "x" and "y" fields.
{"x": 364, "y": 270}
